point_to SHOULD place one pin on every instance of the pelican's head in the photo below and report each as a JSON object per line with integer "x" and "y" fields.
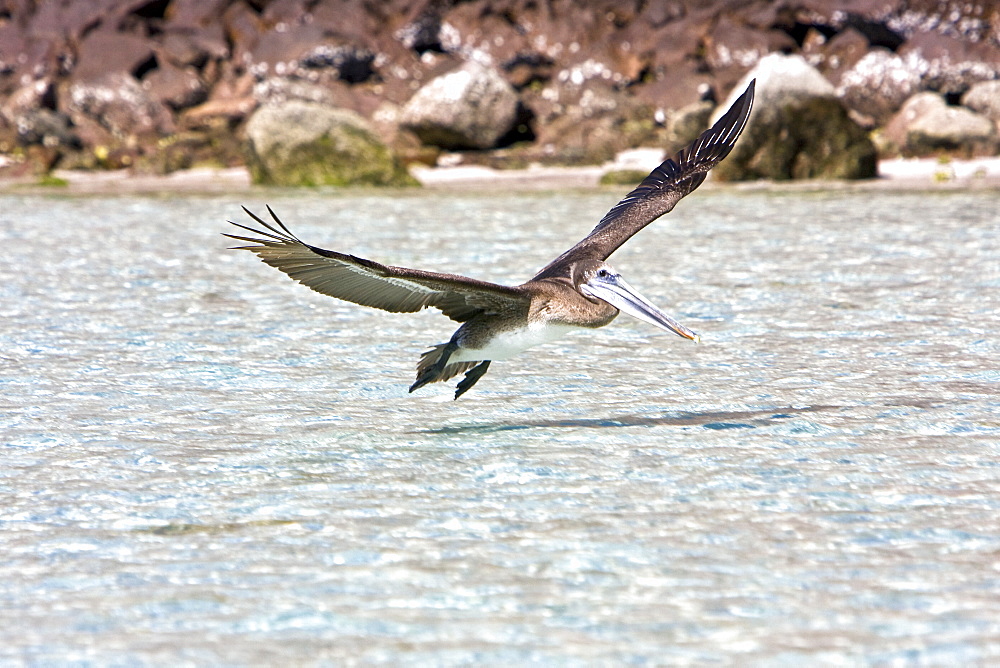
{"x": 600, "y": 281}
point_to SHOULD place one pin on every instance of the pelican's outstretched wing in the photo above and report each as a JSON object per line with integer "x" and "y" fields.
{"x": 368, "y": 283}
{"x": 661, "y": 190}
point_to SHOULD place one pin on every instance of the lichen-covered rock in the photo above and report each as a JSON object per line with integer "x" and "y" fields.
{"x": 984, "y": 98}
{"x": 927, "y": 124}
{"x": 781, "y": 140}
{"x": 471, "y": 107}
{"x": 299, "y": 143}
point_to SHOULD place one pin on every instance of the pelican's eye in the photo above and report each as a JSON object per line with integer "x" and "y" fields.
{"x": 603, "y": 273}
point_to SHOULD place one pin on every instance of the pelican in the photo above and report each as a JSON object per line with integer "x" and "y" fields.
{"x": 579, "y": 289}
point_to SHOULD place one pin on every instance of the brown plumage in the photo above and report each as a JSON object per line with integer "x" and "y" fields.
{"x": 578, "y": 289}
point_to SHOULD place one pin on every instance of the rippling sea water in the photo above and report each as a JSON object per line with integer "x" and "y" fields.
{"x": 204, "y": 462}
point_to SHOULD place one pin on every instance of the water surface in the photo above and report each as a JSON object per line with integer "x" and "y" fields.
{"x": 206, "y": 462}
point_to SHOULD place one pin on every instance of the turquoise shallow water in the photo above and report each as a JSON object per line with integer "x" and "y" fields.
{"x": 206, "y": 462}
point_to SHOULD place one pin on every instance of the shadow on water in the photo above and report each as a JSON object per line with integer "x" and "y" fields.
{"x": 707, "y": 420}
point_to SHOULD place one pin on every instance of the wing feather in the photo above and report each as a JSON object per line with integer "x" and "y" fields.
{"x": 369, "y": 283}
{"x": 659, "y": 192}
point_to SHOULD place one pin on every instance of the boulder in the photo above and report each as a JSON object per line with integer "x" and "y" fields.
{"x": 231, "y": 102}
{"x": 585, "y": 123}
{"x": 120, "y": 104}
{"x": 307, "y": 52}
{"x": 300, "y": 143}
{"x": 105, "y": 51}
{"x": 781, "y": 79}
{"x": 278, "y": 90}
{"x": 176, "y": 87}
{"x": 837, "y": 55}
{"x": 34, "y": 95}
{"x": 471, "y": 107}
{"x": 984, "y": 98}
{"x": 224, "y": 111}
{"x": 528, "y": 67}
{"x": 781, "y": 140}
{"x": 576, "y": 141}
{"x": 329, "y": 92}
{"x": 951, "y": 64}
{"x": 927, "y": 125}
{"x": 44, "y": 135}
{"x": 45, "y": 127}
{"x": 679, "y": 86}
{"x": 25, "y": 57}
{"x": 732, "y": 46}
{"x": 192, "y": 47}
{"x": 879, "y": 83}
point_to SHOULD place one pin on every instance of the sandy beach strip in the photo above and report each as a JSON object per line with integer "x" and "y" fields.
{"x": 896, "y": 174}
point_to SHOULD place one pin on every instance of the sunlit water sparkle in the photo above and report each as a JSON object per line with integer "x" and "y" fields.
{"x": 206, "y": 462}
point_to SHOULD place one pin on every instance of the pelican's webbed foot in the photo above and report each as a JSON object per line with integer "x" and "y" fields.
{"x": 471, "y": 376}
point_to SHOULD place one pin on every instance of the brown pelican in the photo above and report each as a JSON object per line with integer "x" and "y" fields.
{"x": 577, "y": 289}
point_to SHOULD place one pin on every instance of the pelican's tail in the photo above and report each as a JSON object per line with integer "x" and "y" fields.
{"x": 433, "y": 367}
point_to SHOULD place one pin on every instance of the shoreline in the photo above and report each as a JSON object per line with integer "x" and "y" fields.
{"x": 896, "y": 174}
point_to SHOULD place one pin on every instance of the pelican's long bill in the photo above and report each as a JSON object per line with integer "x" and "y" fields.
{"x": 613, "y": 289}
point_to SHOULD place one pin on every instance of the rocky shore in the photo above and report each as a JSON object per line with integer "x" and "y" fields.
{"x": 315, "y": 92}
